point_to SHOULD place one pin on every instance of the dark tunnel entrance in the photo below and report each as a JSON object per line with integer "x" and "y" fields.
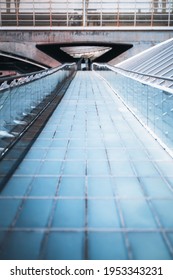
{"x": 84, "y": 52}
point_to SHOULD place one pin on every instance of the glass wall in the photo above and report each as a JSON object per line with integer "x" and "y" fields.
{"x": 21, "y": 98}
{"x": 86, "y": 13}
{"x": 152, "y": 105}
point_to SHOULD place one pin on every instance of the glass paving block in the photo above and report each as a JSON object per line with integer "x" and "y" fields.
{"x": 76, "y": 168}
{"x": 40, "y": 143}
{"x": 137, "y": 214}
{"x": 72, "y": 186}
{"x": 117, "y": 154}
{"x": 58, "y": 143}
{"x": 96, "y": 154}
{"x": 76, "y": 154}
{"x": 98, "y": 168}
{"x": 22, "y": 246}
{"x": 102, "y": 214}
{"x": 148, "y": 246}
{"x": 166, "y": 167}
{"x": 106, "y": 246}
{"x": 69, "y": 213}
{"x": 35, "y": 213}
{"x": 65, "y": 246}
{"x": 145, "y": 169}
{"x": 28, "y": 167}
{"x": 156, "y": 187}
{"x": 57, "y": 154}
{"x": 128, "y": 188}
{"x": 35, "y": 154}
{"x": 8, "y": 210}
{"x": 95, "y": 143}
{"x": 77, "y": 143}
{"x": 164, "y": 209}
{"x": 44, "y": 186}
{"x": 121, "y": 168}
{"x": 50, "y": 168}
{"x": 137, "y": 154}
{"x": 159, "y": 154}
{"x": 16, "y": 186}
{"x": 100, "y": 187}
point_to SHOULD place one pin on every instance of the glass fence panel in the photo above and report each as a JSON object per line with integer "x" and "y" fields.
{"x": 23, "y": 95}
{"x": 153, "y": 106}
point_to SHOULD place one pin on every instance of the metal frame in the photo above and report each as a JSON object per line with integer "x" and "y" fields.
{"x": 86, "y": 13}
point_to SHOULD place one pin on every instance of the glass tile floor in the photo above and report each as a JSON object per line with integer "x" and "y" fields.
{"x": 94, "y": 185}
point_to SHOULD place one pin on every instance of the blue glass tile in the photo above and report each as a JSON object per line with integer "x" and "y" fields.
{"x": 50, "y": 168}
{"x": 75, "y": 143}
{"x": 35, "y": 154}
{"x": 102, "y": 214}
{"x": 128, "y": 188}
{"x": 148, "y": 246}
{"x": 117, "y": 154}
{"x": 72, "y": 186}
{"x": 74, "y": 168}
{"x": 59, "y": 143}
{"x": 56, "y": 154}
{"x": 69, "y": 213}
{"x": 137, "y": 214}
{"x": 16, "y": 186}
{"x": 106, "y": 246}
{"x": 121, "y": 168}
{"x": 8, "y": 209}
{"x": 42, "y": 143}
{"x": 99, "y": 187}
{"x": 96, "y": 154}
{"x": 22, "y": 246}
{"x": 113, "y": 143}
{"x": 137, "y": 154}
{"x": 28, "y": 168}
{"x": 159, "y": 153}
{"x": 35, "y": 213}
{"x": 65, "y": 246}
{"x": 76, "y": 154}
{"x": 98, "y": 168}
{"x": 44, "y": 186}
{"x": 166, "y": 167}
{"x": 131, "y": 142}
{"x": 156, "y": 187}
{"x": 145, "y": 169}
{"x": 95, "y": 143}
{"x": 164, "y": 210}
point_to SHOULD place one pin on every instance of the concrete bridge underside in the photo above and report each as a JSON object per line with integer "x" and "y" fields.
{"x": 24, "y": 42}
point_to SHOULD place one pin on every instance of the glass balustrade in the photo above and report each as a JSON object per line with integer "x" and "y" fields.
{"x": 22, "y": 97}
{"x": 152, "y": 105}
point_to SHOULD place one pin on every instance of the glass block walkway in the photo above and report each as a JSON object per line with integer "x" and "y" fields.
{"x": 95, "y": 185}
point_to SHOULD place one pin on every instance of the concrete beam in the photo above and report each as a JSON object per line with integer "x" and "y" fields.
{"x": 23, "y": 42}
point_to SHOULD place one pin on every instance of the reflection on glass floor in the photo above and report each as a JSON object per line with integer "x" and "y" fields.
{"x": 95, "y": 185}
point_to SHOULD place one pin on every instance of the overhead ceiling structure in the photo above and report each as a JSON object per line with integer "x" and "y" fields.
{"x": 18, "y": 64}
{"x": 91, "y": 52}
{"x": 95, "y": 51}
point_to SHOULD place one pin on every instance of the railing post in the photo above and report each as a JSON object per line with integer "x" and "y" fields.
{"x": 84, "y": 13}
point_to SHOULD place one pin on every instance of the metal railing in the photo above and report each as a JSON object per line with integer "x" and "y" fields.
{"x": 21, "y": 96}
{"x": 151, "y": 104}
{"x": 86, "y": 13}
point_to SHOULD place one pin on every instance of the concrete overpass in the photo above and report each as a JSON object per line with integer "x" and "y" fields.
{"x": 24, "y": 41}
